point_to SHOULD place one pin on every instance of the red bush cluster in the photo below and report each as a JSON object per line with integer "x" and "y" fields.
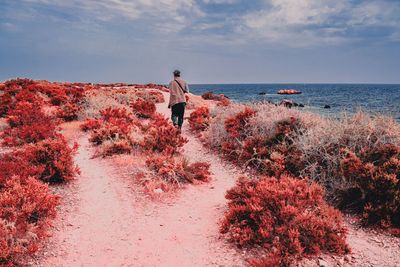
{"x": 60, "y": 94}
{"x": 28, "y": 96}
{"x": 150, "y": 86}
{"x": 15, "y": 163}
{"x": 176, "y": 171}
{"x": 375, "y": 175}
{"x": 224, "y": 102}
{"x": 91, "y": 124}
{"x": 68, "y": 112}
{"x": 120, "y": 146}
{"x": 116, "y": 123}
{"x": 55, "y": 157}
{"x": 110, "y": 132}
{"x": 143, "y": 108}
{"x": 221, "y": 98}
{"x": 150, "y": 96}
{"x": 28, "y": 124}
{"x": 288, "y": 217}
{"x": 199, "y": 119}
{"x": 237, "y": 126}
{"x": 163, "y": 137}
{"x": 26, "y": 206}
{"x": 271, "y": 155}
{"x": 112, "y": 114}
{"x": 156, "y": 97}
{"x": 50, "y": 160}
{"x": 75, "y": 92}
{"x": 113, "y": 131}
{"x": 23, "y": 90}
{"x": 15, "y": 91}
{"x": 211, "y": 96}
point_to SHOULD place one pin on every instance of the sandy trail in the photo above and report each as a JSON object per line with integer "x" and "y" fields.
{"x": 95, "y": 231}
{"x": 103, "y": 222}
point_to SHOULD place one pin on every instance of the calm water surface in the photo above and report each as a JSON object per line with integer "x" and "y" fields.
{"x": 372, "y": 98}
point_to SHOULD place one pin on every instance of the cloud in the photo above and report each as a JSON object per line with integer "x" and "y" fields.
{"x": 313, "y": 22}
{"x": 218, "y": 2}
{"x": 296, "y": 23}
{"x": 168, "y": 15}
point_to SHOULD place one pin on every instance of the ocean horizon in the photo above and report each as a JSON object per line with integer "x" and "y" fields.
{"x": 340, "y": 97}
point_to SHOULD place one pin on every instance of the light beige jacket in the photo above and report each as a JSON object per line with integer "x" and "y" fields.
{"x": 176, "y": 94}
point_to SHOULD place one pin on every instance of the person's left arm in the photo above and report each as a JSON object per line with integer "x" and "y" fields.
{"x": 169, "y": 102}
{"x": 187, "y": 88}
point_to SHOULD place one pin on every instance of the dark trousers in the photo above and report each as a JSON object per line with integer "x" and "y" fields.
{"x": 178, "y": 111}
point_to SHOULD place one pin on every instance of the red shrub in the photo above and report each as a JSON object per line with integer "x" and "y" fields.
{"x": 59, "y": 98}
{"x": 208, "y": 96}
{"x": 91, "y": 124}
{"x": 287, "y": 217}
{"x": 76, "y": 93}
{"x": 143, "y": 108}
{"x": 120, "y": 146}
{"x": 199, "y": 171}
{"x": 176, "y": 171}
{"x": 26, "y": 113}
{"x": 156, "y": 97}
{"x": 163, "y": 137}
{"x": 222, "y": 99}
{"x": 28, "y": 96}
{"x": 55, "y": 92}
{"x": 224, "y": 102}
{"x": 12, "y": 87}
{"x": 237, "y": 126}
{"x": 199, "y": 119}
{"x": 375, "y": 174}
{"x": 271, "y": 155}
{"x": 28, "y": 134}
{"x": 26, "y": 207}
{"x": 114, "y": 133}
{"x": 68, "y": 112}
{"x": 28, "y": 124}
{"x": 166, "y": 168}
{"x": 116, "y": 113}
{"x": 54, "y": 157}
{"x": 15, "y": 163}
{"x": 119, "y": 129}
{"x": 159, "y": 120}
{"x": 6, "y": 103}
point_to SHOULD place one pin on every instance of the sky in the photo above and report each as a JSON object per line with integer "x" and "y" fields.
{"x": 210, "y": 41}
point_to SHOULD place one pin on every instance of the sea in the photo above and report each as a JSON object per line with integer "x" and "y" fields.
{"x": 341, "y": 98}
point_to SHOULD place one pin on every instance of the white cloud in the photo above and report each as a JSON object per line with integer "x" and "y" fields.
{"x": 376, "y": 13}
{"x": 308, "y": 22}
{"x": 219, "y": 1}
{"x": 288, "y": 22}
{"x": 166, "y": 14}
{"x": 9, "y": 27}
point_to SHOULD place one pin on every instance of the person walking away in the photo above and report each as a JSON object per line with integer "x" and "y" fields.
{"x": 177, "y": 100}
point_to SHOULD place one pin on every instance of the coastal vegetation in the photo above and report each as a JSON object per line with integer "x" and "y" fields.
{"x": 355, "y": 160}
{"x": 301, "y": 171}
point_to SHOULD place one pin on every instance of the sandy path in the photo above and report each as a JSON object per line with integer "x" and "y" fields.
{"x": 95, "y": 231}
{"x": 103, "y": 223}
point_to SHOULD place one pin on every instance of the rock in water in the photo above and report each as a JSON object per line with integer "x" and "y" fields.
{"x": 286, "y": 103}
{"x": 289, "y": 92}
